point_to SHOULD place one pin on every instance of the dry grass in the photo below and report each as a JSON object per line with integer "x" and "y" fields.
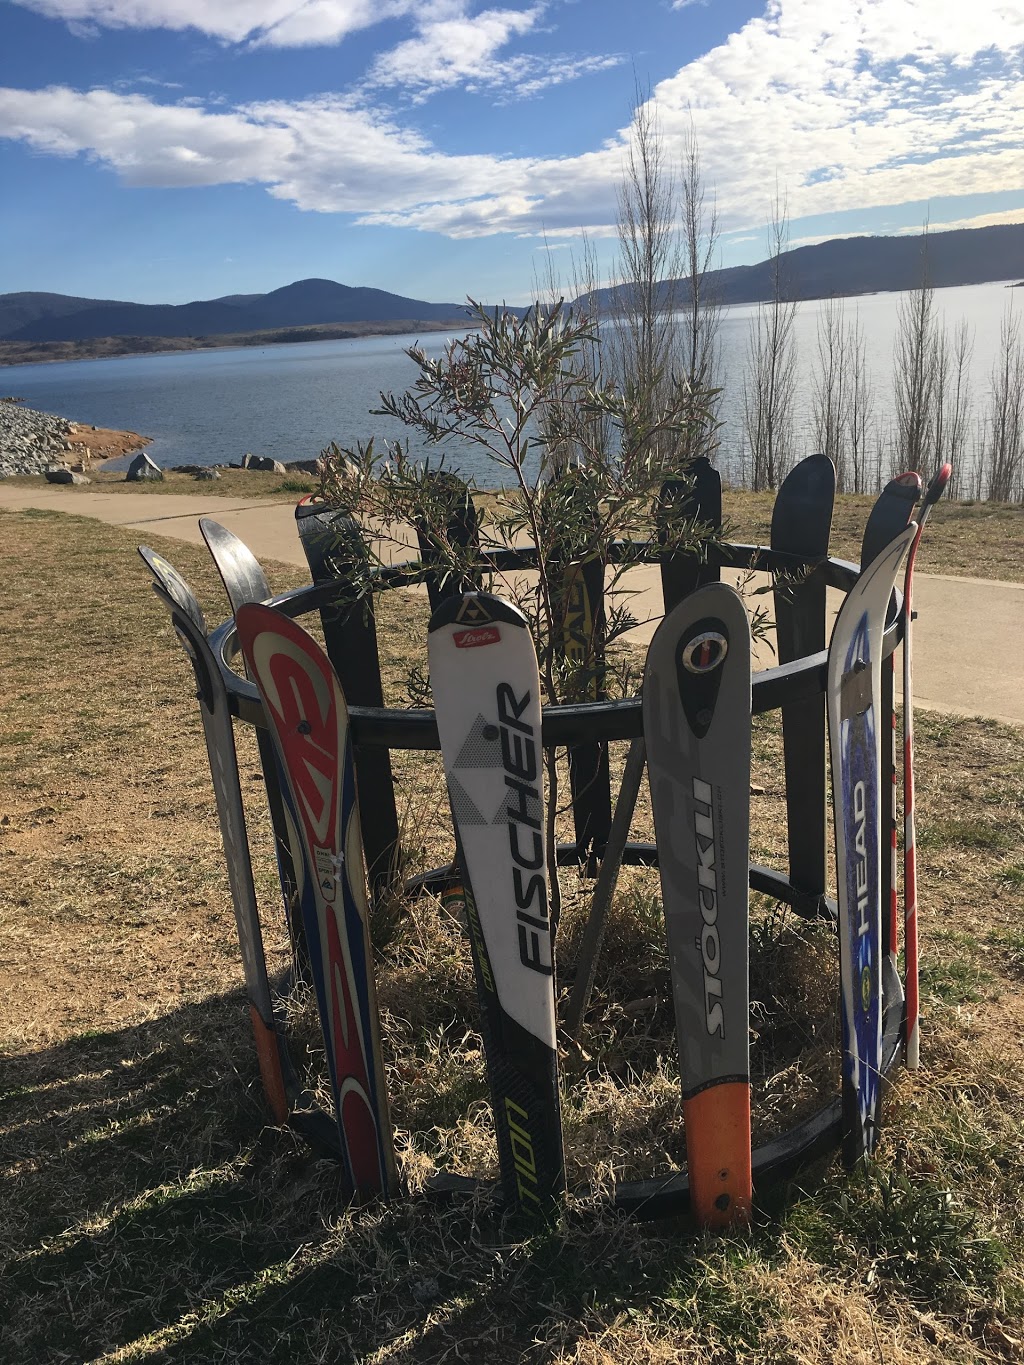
{"x": 972, "y": 539}
{"x": 150, "y": 1215}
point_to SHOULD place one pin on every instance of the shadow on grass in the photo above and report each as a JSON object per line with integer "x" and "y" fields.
{"x": 149, "y": 1213}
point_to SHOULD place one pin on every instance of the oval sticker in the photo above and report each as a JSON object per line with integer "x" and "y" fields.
{"x": 705, "y": 652}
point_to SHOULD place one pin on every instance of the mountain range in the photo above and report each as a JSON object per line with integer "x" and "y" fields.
{"x": 842, "y": 266}
{"x": 57, "y": 317}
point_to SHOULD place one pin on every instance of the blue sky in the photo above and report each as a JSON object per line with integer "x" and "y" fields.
{"x": 165, "y": 150}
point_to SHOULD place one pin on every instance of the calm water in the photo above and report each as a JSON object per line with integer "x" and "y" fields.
{"x": 290, "y": 401}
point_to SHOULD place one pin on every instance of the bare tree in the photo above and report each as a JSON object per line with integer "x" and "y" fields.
{"x": 858, "y": 408}
{"x": 914, "y": 374}
{"x": 698, "y": 302}
{"x": 952, "y": 366}
{"x": 829, "y": 397}
{"x": 645, "y": 343}
{"x": 1003, "y": 450}
{"x": 770, "y": 382}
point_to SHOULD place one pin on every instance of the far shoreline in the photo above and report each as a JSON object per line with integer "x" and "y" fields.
{"x": 14, "y": 354}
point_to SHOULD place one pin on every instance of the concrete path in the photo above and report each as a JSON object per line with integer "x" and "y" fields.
{"x": 968, "y": 645}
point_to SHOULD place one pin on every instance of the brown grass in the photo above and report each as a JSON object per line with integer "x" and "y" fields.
{"x": 148, "y": 1211}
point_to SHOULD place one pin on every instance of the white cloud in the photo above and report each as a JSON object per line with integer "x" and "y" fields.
{"x": 454, "y": 49}
{"x": 874, "y": 103}
{"x": 276, "y": 23}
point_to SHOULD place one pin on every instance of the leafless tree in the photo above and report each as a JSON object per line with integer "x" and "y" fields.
{"x": 644, "y": 346}
{"x": 698, "y": 302}
{"x": 829, "y": 396}
{"x": 858, "y": 408}
{"x": 1003, "y": 450}
{"x": 952, "y": 366}
{"x": 770, "y": 382}
{"x": 914, "y": 376}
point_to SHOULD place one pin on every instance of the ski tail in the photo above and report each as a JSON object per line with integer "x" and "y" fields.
{"x": 308, "y": 719}
{"x": 483, "y": 669}
{"x": 912, "y": 973}
{"x": 696, "y": 703}
{"x": 718, "y": 1156}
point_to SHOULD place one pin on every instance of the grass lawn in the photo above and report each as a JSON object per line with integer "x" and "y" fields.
{"x": 150, "y": 1214}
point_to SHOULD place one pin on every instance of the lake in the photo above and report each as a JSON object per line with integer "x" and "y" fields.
{"x": 289, "y": 401}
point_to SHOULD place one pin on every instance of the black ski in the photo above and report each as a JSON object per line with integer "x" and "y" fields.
{"x": 333, "y": 546}
{"x": 696, "y": 500}
{"x": 801, "y": 525}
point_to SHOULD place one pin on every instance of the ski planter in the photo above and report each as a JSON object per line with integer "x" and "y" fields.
{"x": 891, "y": 514}
{"x": 854, "y": 722}
{"x": 308, "y": 720}
{"x": 696, "y": 703}
{"x": 483, "y": 669}
{"x": 913, "y": 1041}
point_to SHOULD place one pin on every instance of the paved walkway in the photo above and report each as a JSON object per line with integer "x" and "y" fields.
{"x": 968, "y": 646}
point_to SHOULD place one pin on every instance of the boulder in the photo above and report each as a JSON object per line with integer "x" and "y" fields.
{"x": 203, "y": 474}
{"x": 303, "y": 466}
{"x": 143, "y": 469}
{"x": 61, "y": 474}
{"x": 265, "y": 463}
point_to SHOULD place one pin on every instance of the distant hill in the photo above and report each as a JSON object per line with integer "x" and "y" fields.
{"x": 852, "y": 265}
{"x": 868, "y": 265}
{"x": 307, "y": 303}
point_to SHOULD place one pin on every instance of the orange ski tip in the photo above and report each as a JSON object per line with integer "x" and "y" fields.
{"x": 718, "y": 1154}
{"x": 271, "y": 1074}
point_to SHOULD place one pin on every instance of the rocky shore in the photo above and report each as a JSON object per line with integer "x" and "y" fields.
{"x": 32, "y": 442}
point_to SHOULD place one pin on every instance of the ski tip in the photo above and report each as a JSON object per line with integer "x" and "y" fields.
{"x": 718, "y": 1158}
{"x": 938, "y": 484}
{"x": 476, "y": 610}
{"x": 173, "y": 585}
{"x": 907, "y": 485}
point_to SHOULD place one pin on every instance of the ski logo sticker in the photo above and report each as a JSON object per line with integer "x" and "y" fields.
{"x": 699, "y": 654}
{"x": 707, "y": 894}
{"x": 473, "y": 639}
{"x": 520, "y": 761}
{"x": 705, "y": 652}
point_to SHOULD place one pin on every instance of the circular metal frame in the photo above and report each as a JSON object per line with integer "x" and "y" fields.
{"x": 416, "y": 729}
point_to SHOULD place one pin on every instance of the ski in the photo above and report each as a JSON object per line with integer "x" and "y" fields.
{"x": 308, "y": 720}
{"x": 891, "y": 514}
{"x": 483, "y": 670}
{"x": 801, "y": 525}
{"x": 854, "y": 721}
{"x": 696, "y": 704}
{"x": 190, "y": 628}
{"x": 697, "y": 500}
{"x": 913, "y": 1041}
{"x": 240, "y": 571}
{"x": 244, "y": 581}
{"x": 333, "y": 545}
